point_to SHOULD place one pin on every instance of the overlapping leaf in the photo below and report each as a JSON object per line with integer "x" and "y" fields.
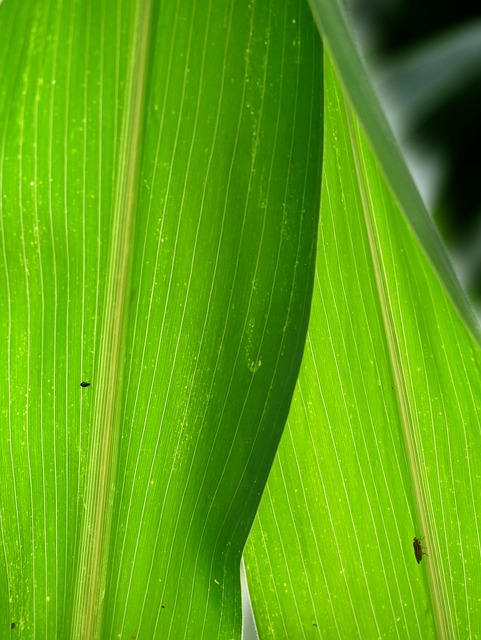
{"x": 159, "y": 178}
{"x": 384, "y": 436}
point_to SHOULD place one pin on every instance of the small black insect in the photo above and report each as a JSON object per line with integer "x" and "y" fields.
{"x": 12, "y": 626}
{"x": 85, "y": 384}
{"x": 418, "y": 549}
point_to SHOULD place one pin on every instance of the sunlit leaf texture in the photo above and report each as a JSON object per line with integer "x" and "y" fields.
{"x": 159, "y": 199}
{"x": 383, "y": 439}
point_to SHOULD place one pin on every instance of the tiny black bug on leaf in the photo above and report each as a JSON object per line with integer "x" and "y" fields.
{"x": 418, "y": 549}
{"x": 12, "y": 626}
{"x": 85, "y": 384}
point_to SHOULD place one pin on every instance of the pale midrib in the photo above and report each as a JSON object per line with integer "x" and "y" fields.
{"x": 393, "y": 344}
{"x": 91, "y": 576}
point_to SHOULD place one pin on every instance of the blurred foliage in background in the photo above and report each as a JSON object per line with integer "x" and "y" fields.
{"x": 428, "y": 61}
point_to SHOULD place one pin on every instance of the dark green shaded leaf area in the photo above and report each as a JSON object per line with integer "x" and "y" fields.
{"x": 159, "y": 195}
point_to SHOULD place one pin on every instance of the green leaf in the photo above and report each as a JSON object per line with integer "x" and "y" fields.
{"x": 333, "y": 26}
{"x": 383, "y": 437}
{"x": 159, "y": 197}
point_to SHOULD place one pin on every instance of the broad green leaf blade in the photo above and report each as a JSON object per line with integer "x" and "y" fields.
{"x": 383, "y": 436}
{"x": 159, "y": 179}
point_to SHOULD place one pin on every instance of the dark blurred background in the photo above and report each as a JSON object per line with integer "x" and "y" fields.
{"x": 426, "y": 59}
